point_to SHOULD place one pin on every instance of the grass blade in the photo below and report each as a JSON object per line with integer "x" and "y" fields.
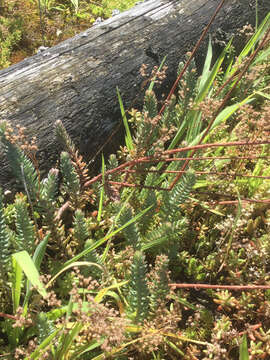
{"x": 100, "y": 295}
{"x": 70, "y": 265}
{"x": 128, "y": 137}
{"x": 36, "y": 354}
{"x": 222, "y": 117}
{"x": 207, "y": 83}
{"x": 40, "y": 251}
{"x": 107, "y": 237}
{"x": 100, "y": 205}
{"x": 255, "y": 38}
{"x": 151, "y": 86}
{"x": 66, "y": 342}
{"x": 29, "y": 268}
{"x": 37, "y": 259}
{"x": 84, "y": 349}
{"x": 17, "y": 276}
{"x": 206, "y": 67}
{"x": 243, "y": 351}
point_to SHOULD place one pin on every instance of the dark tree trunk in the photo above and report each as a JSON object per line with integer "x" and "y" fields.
{"x": 76, "y": 80}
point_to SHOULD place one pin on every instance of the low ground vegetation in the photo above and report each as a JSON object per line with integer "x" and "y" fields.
{"x": 26, "y": 25}
{"x": 165, "y": 253}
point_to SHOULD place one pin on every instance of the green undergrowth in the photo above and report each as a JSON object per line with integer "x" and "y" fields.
{"x": 26, "y": 25}
{"x": 88, "y": 265}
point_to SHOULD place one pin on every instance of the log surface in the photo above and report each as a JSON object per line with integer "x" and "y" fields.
{"x": 75, "y": 81}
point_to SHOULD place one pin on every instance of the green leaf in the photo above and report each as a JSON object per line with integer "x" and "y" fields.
{"x": 24, "y": 225}
{"x": 131, "y": 232}
{"x": 16, "y": 286}
{"x": 45, "y": 327}
{"x": 69, "y": 308}
{"x": 128, "y": 137}
{"x": 27, "y": 265}
{"x": 123, "y": 206}
{"x": 262, "y": 56}
{"x": 85, "y": 348}
{"x": 243, "y": 351}
{"x": 49, "y": 187}
{"x": 70, "y": 176}
{"x": 138, "y": 292}
{"x": 150, "y": 105}
{"x": 206, "y": 67}
{"x": 40, "y": 251}
{"x": 81, "y": 232}
{"x": 101, "y": 191}
{"x": 70, "y": 265}
{"x": 150, "y": 88}
{"x": 57, "y": 313}
{"x": 179, "y": 194}
{"x": 191, "y": 124}
{"x": 37, "y": 259}
{"x": 100, "y": 295}
{"x": 266, "y": 96}
{"x": 107, "y": 237}
{"x": 64, "y": 138}
{"x": 255, "y": 38}
{"x": 66, "y": 341}
{"x": 4, "y": 241}
{"x": 36, "y": 354}
{"x": 210, "y": 76}
{"x": 22, "y": 167}
{"x": 230, "y": 110}
{"x": 222, "y": 117}
{"x": 175, "y": 348}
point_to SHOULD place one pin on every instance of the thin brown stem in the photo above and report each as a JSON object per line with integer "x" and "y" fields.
{"x": 191, "y": 56}
{"x": 197, "y": 173}
{"x": 205, "y": 31}
{"x": 227, "y": 82}
{"x": 236, "y": 202}
{"x": 221, "y": 287}
{"x": 170, "y": 152}
{"x": 7, "y": 316}
{"x": 137, "y": 186}
{"x": 226, "y": 98}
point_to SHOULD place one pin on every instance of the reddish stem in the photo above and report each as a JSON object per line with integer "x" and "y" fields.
{"x": 12, "y": 317}
{"x": 167, "y": 101}
{"x": 128, "y": 171}
{"x": 191, "y": 56}
{"x": 226, "y": 287}
{"x": 226, "y": 98}
{"x": 170, "y": 152}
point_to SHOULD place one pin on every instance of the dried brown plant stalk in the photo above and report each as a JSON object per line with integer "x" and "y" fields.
{"x": 225, "y": 287}
{"x": 130, "y": 171}
{"x": 226, "y": 98}
{"x": 127, "y": 166}
{"x": 191, "y": 56}
{"x": 7, "y": 316}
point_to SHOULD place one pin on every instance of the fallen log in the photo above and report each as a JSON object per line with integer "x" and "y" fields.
{"x": 76, "y": 80}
